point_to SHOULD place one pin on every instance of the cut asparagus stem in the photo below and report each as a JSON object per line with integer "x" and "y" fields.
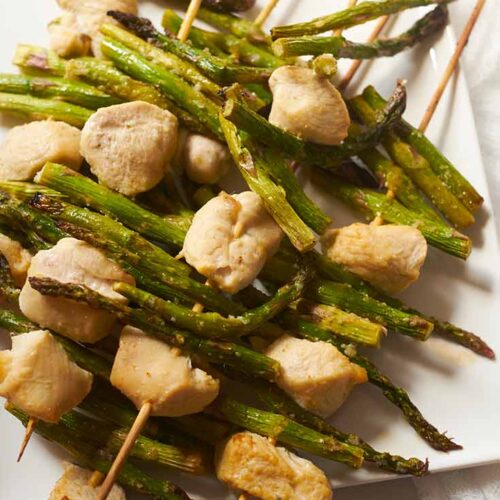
{"x": 77, "y": 93}
{"x": 290, "y": 433}
{"x": 8, "y": 289}
{"x": 33, "y": 59}
{"x": 447, "y": 172}
{"x": 324, "y": 156}
{"x": 279, "y": 402}
{"x": 96, "y": 459}
{"x": 361, "y": 13}
{"x": 396, "y": 395}
{"x": 432, "y": 23}
{"x": 213, "y": 325}
{"x": 237, "y": 356}
{"x": 372, "y": 203}
{"x": 40, "y": 109}
{"x": 417, "y": 167}
{"x": 256, "y": 173}
{"x": 214, "y": 68}
{"x": 145, "y": 449}
{"x": 222, "y": 44}
{"x": 174, "y": 87}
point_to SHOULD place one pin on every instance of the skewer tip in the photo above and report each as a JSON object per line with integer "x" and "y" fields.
{"x": 30, "y": 427}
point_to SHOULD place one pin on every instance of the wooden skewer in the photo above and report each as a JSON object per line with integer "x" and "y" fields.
{"x": 265, "y": 13}
{"x": 27, "y": 436}
{"x": 462, "y": 42}
{"x": 356, "y": 64}
{"x": 120, "y": 459}
{"x": 191, "y": 13}
{"x": 350, "y": 4}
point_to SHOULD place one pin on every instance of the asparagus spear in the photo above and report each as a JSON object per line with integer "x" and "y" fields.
{"x": 40, "y": 109}
{"x": 213, "y": 67}
{"x": 77, "y": 93}
{"x": 145, "y": 449}
{"x": 279, "y": 402}
{"x": 361, "y": 13}
{"x": 222, "y": 44}
{"x": 237, "y": 356}
{"x": 8, "y": 289}
{"x": 290, "y": 433}
{"x": 33, "y": 59}
{"x": 230, "y": 5}
{"x": 372, "y": 203}
{"x": 418, "y": 169}
{"x": 397, "y": 395}
{"x": 455, "y": 181}
{"x": 100, "y": 460}
{"x": 25, "y": 190}
{"x": 213, "y": 325}
{"x": 324, "y": 156}
{"x": 255, "y": 171}
{"x": 432, "y": 23}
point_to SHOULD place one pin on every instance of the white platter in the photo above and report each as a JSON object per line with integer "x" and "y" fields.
{"x": 455, "y": 390}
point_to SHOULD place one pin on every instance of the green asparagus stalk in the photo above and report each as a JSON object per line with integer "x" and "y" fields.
{"x": 256, "y": 173}
{"x": 373, "y": 203}
{"x": 38, "y": 60}
{"x": 213, "y": 325}
{"x": 61, "y": 89}
{"x": 432, "y": 23}
{"x": 222, "y": 44}
{"x": 230, "y": 5}
{"x": 417, "y": 167}
{"x": 145, "y": 449}
{"x": 324, "y": 156}
{"x": 40, "y": 109}
{"x": 15, "y": 323}
{"x": 174, "y": 87}
{"x": 96, "y": 459}
{"x": 447, "y": 172}
{"x": 8, "y": 289}
{"x": 279, "y": 402}
{"x": 290, "y": 433}
{"x": 213, "y": 67}
{"x": 25, "y": 190}
{"x": 361, "y": 13}
{"x": 397, "y": 395}
{"x": 237, "y": 356}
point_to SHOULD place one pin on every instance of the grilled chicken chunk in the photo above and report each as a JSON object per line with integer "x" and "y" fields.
{"x": 17, "y": 257}
{"x": 308, "y": 105}
{"x": 66, "y": 38}
{"x": 27, "y": 148}
{"x": 230, "y": 240}
{"x": 38, "y": 377}
{"x": 129, "y": 146}
{"x": 249, "y": 462}
{"x": 316, "y": 374}
{"x": 74, "y": 484}
{"x": 73, "y": 261}
{"x": 388, "y": 256}
{"x": 148, "y": 370}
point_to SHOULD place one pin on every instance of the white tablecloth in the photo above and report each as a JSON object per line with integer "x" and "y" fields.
{"x": 481, "y": 63}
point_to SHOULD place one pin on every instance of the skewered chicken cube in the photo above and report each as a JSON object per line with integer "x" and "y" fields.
{"x": 38, "y": 377}
{"x": 204, "y": 159}
{"x": 316, "y": 374}
{"x": 17, "y": 257}
{"x": 75, "y": 484}
{"x": 65, "y": 37}
{"x": 249, "y": 462}
{"x": 27, "y": 148}
{"x": 230, "y": 240}
{"x": 388, "y": 256}
{"x": 129, "y": 146}
{"x": 73, "y": 261}
{"x": 148, "y": 370}
{"x": 308, "y": 106}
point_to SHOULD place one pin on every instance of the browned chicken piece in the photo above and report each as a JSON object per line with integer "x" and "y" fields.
{"x": 38, "y": 377}
{"x": 66, "y": 38}
{"x": 230, "y": 240}
{"x": 388, "y": 256}
{"x": 26, "y": 149}
{"x": 73, "y": 261}
{"x": 316, "y": 374}
{"x": 251, "y": 463}
{"x": 308, "y": 105}
{"x": 147, "y": 370}
{"x": 129, "y": 146}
